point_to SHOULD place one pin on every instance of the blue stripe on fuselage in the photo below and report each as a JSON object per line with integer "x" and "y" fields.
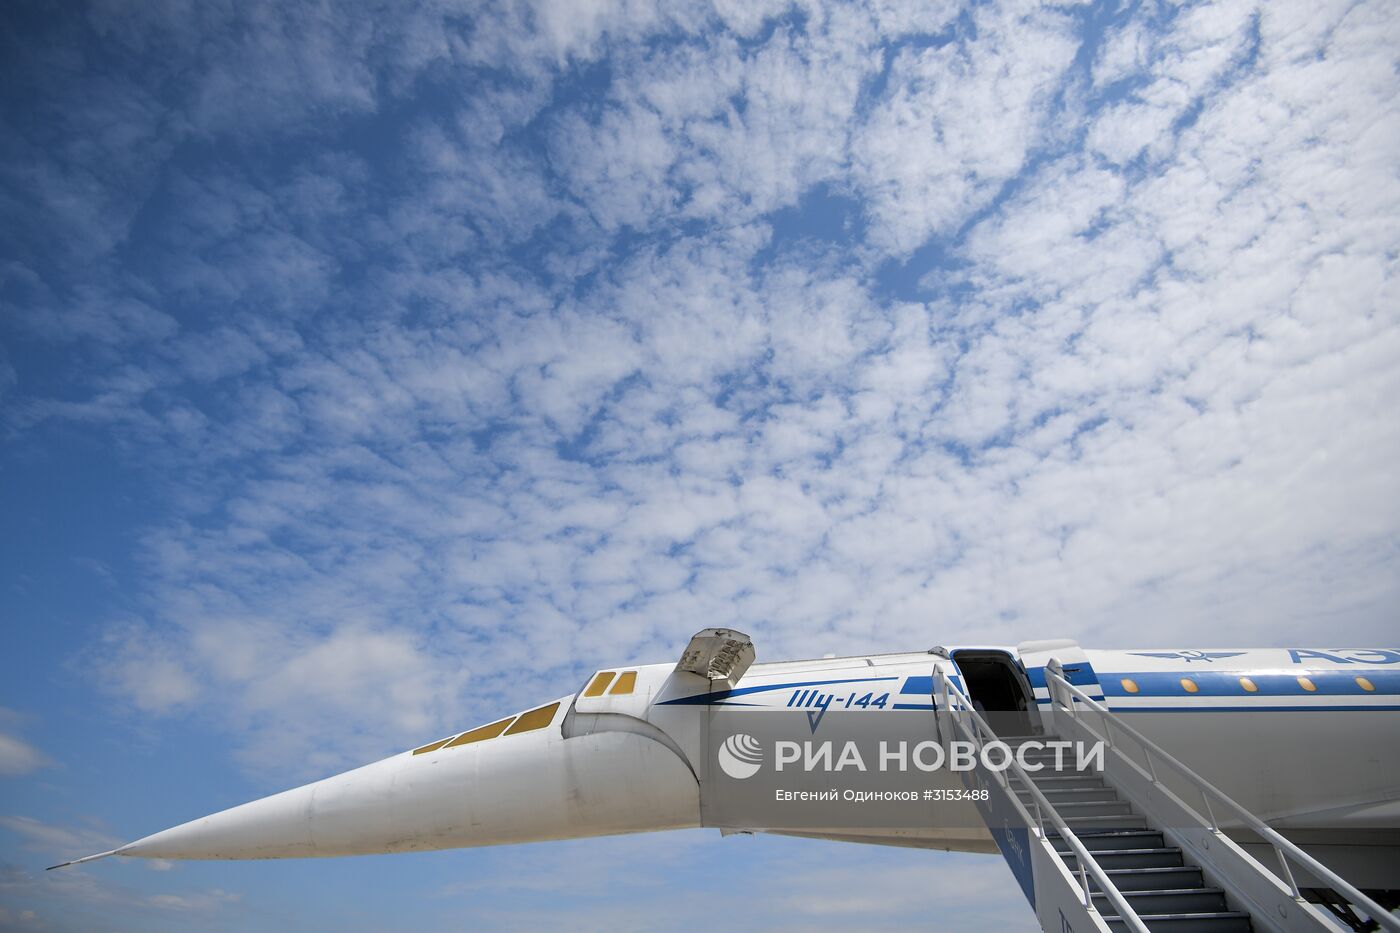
{"x": 1270, "y": 684}
{"x": 718, "y": 696}
{"x": 1080, "y": 674}
{"x": 921, "y": 685}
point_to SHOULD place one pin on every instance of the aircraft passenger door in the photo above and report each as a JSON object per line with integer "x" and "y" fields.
{"x": 998, "y": 689}
{"x": 1034, "y": 655}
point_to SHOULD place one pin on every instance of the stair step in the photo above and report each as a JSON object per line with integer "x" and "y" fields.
{"x": 1169, "y": 901}
{"x": 1105, "y": 821}
{"x": 1048, "y": 781}
{"x": 1163, "y": 857}
{"x": 1081, "y": 806}
{"x": 1155, "y": 879}
{"x": 1078, "y": 795}
{"x": 1072, "y": 810}
{"x": 1088, "y": 792}
{"x": 1100, "y": 840}
{"x": 1223, "y": 921}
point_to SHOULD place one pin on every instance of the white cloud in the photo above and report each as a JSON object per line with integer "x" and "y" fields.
{"x": 202, "y": 902}
{"x": 87, "y": 315}
{"x": 54, "y": 840}
{"x": 18, "y": 757}
{"x": 17, "y": 919}
{"x": 544, "y": 386}
{"x": 1123, "y": 53}
{"x": 618, "y": 165}
{"x": 797, "y": 891}
{"x": 147, "y": 670}
{"x": 81, "y": 898}
{"x": 958, "y": 122}
{"x": 1179, "y": 71}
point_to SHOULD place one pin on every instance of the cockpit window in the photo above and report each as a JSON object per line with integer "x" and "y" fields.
{"x": 511, "y": 725}
{"x": 626, "y": 683}
{"x": 481, "y": 733}
{"x": 599, "y": 684}
{"x": 534, "y": 719}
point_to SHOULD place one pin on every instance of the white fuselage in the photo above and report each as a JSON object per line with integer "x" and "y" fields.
{"x": 1307, "y": 739}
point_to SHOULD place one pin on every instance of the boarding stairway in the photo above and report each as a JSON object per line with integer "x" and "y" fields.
{"x": 1150, "y": 874}
{"x": 1110, "y": 844}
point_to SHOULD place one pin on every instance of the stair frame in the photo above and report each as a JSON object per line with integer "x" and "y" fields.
{"x": 1068, "y": 887}
{"x": 1134, "y": 770}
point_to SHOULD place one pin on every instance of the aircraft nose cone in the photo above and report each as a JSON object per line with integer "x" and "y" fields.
{"x": 342, "y": 815}
{"x": 516, "y": 788}
{"x": 273, "y": 827}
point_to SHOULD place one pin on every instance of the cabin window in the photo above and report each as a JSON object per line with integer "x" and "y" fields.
{"x": 481, "y": 733}
{"x": 1365, "y": 684}
{"x": 1129, "y": 686}
{"x": 1307, "y": 684}
{"x": 1189, "y": 685}
{"x": 535, "y": 719}
{"x": 1249, "y": 685}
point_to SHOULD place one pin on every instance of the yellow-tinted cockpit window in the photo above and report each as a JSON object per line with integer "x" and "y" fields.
{"x": 525, "y": 722}
{"x": 481, "y": 733}
{"x": 598, "y": 684}
{"x": 534, "y": 719}
{"x": 626, "y": 683}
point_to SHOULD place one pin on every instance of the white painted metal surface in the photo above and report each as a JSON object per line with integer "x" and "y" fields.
{"x": 515, "y": 788}
{"x": 621, "y": 755}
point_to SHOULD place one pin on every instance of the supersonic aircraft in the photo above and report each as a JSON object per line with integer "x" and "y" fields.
{"x": 628, "y": 752}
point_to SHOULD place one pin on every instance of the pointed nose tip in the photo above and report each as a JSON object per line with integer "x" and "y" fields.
{"x": 347, "y": 814}
{"x": 273, "y": 827}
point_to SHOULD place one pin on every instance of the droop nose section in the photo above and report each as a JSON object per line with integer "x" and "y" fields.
{"x": 512, "y": 788}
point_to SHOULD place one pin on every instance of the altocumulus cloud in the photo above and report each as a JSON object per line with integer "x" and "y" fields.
{"x": 472, "y": 347}
{"x": 18, "y": 757}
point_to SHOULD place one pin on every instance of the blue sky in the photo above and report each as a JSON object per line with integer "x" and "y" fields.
{"x": 367, "y": 373}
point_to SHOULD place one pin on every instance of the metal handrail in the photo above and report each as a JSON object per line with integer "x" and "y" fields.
{"x": 1043, "y": 807}
{"x": 1283, "y": 848}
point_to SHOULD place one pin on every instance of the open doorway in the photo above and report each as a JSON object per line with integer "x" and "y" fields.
{"x": 998, "y": 688}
